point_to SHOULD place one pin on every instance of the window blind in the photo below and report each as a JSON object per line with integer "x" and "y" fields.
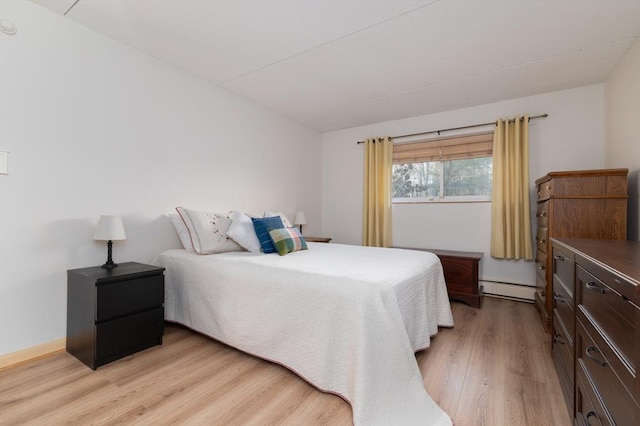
{"x": 459, "y": 147}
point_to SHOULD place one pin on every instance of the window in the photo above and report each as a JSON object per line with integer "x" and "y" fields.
{"x": 457, "y": 168}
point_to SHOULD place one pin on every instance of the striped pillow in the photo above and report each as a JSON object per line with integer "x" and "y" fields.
{"x": 287, "y": 240}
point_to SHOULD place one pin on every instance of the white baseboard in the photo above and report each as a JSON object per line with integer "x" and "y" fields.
{"x": 31, "y": 354}
{"x": 515, "y": 291}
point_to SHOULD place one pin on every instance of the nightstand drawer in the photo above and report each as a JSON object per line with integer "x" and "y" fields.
{"x": 129, "y": 296}
{"x": 130, "y": 334}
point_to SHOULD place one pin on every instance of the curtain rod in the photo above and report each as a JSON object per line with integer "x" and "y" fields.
{"x": 456, "y": 128}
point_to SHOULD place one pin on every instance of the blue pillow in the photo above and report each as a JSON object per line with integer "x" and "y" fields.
{"x": 263, "y": 226}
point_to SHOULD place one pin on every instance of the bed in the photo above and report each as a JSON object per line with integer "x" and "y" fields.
{"x": 347, "y": 319}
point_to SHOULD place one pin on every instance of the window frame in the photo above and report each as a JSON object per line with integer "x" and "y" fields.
{"x": 430, "y": 143}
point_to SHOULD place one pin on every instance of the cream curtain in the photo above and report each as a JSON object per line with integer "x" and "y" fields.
{"x": 378, "y": 163}
{"x": 510, "y": 213}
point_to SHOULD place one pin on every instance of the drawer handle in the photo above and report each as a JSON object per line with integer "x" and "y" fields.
{"x": 594, "y": 287}
{"x": 592, "y": 414}
{"x": 541, "y": 214}
{"x": 593, "y": 358}
{"x": 542, "y": 241}
{"x": 559, "y": 257}
{"x": 541, "y": 267}
{"x": 557, "y": 338}
{"x": 558, "y": 298}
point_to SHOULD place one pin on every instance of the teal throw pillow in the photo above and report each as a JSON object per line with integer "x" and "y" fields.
{"x": 262, "y": 225}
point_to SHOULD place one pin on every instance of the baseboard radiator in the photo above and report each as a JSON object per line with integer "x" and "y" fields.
{"x": 521, "y": 292}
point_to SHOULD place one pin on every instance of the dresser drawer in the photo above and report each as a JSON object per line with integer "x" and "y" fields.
{"x": 126, "y": 335}
{"x": 589, "y": 411}
{"x": 542, "y": 238}
{"x": 545, "y": 190}
{"x": 129, "y": 296}
{"x": 605, "y": 373}
{"x": 563, "y": 269}
{"x": 563, "y": 345}
{"x": 614, "y": 315}
{"x": 563, "y": 309}
{"x": 563, "y": 377}
{"x": 541, "y": 282}
{"x": 541, "y": 263}
{"x": 562, "y": 354}
{"x": 542, "y": 213}
{"x": 628, "y": 289}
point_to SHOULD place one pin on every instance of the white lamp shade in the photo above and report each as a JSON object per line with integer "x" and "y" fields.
{"x": 300, "y": 219}
{"x": 109, "y": 228}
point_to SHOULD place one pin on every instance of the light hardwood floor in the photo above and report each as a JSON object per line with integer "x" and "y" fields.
{"x": 493, "y": 368}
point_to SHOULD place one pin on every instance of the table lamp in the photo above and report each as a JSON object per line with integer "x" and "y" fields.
{"x": 300, "y": 220}
{"x": 109, "y": 228}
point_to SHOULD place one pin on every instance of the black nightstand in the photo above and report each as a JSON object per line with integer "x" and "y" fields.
{"x": 112, "y": 313}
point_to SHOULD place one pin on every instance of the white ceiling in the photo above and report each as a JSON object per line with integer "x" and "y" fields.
{"x": 338, "y": 64}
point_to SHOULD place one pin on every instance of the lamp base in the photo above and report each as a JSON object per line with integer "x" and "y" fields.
{"x": 109, "y": 264}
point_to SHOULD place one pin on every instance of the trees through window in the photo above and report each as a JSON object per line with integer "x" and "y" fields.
{"x": 447, "y": 169}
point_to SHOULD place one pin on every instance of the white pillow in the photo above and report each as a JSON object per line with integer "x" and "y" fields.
{"x": 208, "y": 231}
{"x": 181, "y": 230}
{"x": 285, "y": 221}
{"x": 243, "y": 232}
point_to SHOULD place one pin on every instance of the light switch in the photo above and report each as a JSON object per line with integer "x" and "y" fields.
{"x": 4, "y": 163}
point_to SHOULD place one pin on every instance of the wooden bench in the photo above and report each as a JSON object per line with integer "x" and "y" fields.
{"x": 461, "y": 272}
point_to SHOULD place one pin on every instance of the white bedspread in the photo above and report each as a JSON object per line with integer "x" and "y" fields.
{"x": 348, "y": 319}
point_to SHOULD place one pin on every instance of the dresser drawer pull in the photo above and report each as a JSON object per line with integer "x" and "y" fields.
{"x": 541, "y": 214}
{"x": 557, "y": 338}
{"x": 593, "y": 358}
{"x": 592, "y": 414}
{"x": 594, "y": 287}
{"x": 541, "y": 267}
{"x": 542, "y": 241}
{"x": 558, "y": 298}
{"x": 559, "y": 257}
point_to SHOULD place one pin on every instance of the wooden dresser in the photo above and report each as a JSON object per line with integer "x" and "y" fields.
{"x": 575, "y": 204}
{"x": 596, "y": 343}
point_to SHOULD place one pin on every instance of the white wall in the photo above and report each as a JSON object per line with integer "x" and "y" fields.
{"x": 622, "y": 129}
{"x": 94, "y": 127}
{"x": 572, "y": 137}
